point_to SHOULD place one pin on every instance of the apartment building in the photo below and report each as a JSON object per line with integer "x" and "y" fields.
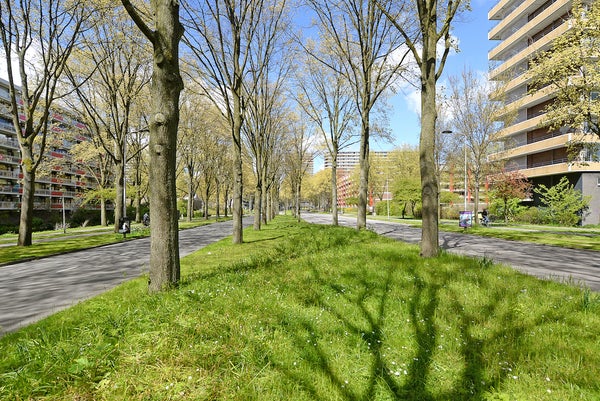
{"x": 60, "y": 182}
{"x": 523, "y": 29}
{"x": 347, "y": 161}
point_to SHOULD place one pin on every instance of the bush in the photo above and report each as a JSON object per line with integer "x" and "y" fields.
{"x": 81, "y": 216}
{"x": 39, "y": 224}
{"x": 531, "y": 215}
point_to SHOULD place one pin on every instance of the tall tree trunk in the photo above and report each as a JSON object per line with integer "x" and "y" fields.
{"x": 257, "y": 205}
{"x": 429, "y": 186}
{"x": 237, "y": 212}
{"x": 27, "y": 196}
{"x": 218, "y": 196}
{"x": 190, "y": 202}
{"x": 102, "y": 211}
{"x": 361, "y": 219}
{"x": 164, "y": 120}
{"x": 119, "y": 188}
{"x": 334, "y": 192}
{"x": 264, "y": 199}
{"x": 206, "y": 195}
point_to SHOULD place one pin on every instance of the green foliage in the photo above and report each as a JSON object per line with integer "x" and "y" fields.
{"x": 301, "y": 312}
{"x": 563, "y": 203}
{"x": 381, "y": 208}
{"x": 508, "y": 209}
{"x": 82, "y": 217}
{"x": 577, "y": 50}
{"x": 530, "y": 215}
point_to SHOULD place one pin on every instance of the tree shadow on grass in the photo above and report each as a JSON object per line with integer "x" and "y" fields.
{"x": 430, "y": 294}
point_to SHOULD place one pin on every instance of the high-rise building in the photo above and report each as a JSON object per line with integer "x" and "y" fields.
{"x": 61, "y": 183}
{"x": 524, "y": 29}
{"x": 346, "y": 161}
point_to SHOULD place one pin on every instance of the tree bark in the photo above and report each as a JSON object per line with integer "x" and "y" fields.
{"x": 166, "y": 87}
{"x": 27, "y": 196}
{"x": 429, "y": 186}
{"x": 363, "y": 196}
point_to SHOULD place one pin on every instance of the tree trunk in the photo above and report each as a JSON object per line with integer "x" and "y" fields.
{"x": 218, "y": 196}
{"x": 257, "y": 205}
{"x": 334, "y": 192}
{"x": 190, "y": 202}
{"x": 27, "y": 196}
{"x": 102, "y": 211}
{"x": 237, "y": 212}
{"x": 298, "y": 190}
{"x": 119, "y": 187}
{"x": 206, "y": 195}
{"x": 166, "y": 87}
{"x": 361, "y": 219}
{"x": 264, "y": 199}
{"x": 429, "y": 186}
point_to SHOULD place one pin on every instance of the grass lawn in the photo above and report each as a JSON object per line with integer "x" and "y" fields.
{"x": 307, "y": 312}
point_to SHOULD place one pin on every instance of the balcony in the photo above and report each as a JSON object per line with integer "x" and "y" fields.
{"x": 547, "y": 17}
{"x": 9, "y": 142}
{"x": 7, "y": 159}
{"x": 517, "y": 11}
{"x": 13, "y": 175}
{"x": 541, "y": 45}
{"x": 501, "y": 9}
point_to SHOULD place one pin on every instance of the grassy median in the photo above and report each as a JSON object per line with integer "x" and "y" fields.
{"x": 305, "y": 312}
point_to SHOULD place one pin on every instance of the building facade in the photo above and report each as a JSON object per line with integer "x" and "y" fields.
{"x": 347, "y": 161}
{"x": 60, "y": 183}
{"x": 523, "y": 29}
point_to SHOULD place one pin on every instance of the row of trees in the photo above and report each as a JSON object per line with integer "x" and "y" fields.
{"x": 241, "y": 58}
{"x": 236, "y": 55}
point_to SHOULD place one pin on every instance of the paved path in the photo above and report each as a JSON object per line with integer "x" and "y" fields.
{"x": 32, "y": 290}
{"x": 544, "y": 261}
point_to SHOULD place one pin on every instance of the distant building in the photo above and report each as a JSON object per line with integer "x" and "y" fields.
{"x": 525, "y": 28}
{"x": 348, "y": 160}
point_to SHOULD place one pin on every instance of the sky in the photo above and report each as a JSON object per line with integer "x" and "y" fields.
{"x": 471, "y": 30}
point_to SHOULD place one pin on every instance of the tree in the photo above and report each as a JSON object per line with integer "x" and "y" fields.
{"x": 507, "y": 186}
{"x": 326, "y": 98}
{"x": 90, "y": 157}
{"x": 318, "y": 189}
{"x": 270, "y": 64}
{"x": 564, "y": 203}
{"x": 298, "y": 157}
{"x": 570, "y": 68}
{"x": 37, "y": 40}
{"x": 200, "y": 128}
{"x": 474, "y": 119}
{"x": 423, "y": 44}
{"x": 109, "y": 76}
{"x": 164, "y": 34}
{"x": 220, "y": 36}
{"x": 405, "y": 183}
{"x": 361, "y": 35}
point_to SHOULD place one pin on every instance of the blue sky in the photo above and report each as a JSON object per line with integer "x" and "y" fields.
{"x": 471, "y": 30}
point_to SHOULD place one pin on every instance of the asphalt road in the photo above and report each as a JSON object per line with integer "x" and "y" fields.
{"x": 547, "y": 262}
{"x": 32, "y": 290}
